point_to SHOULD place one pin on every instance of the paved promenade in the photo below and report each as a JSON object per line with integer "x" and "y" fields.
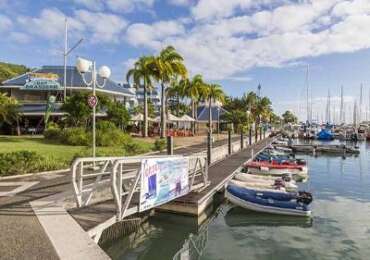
{"x": 22, "y": 236}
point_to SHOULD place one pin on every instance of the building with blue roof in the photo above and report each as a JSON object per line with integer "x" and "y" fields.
{"x": 33, "y": 89}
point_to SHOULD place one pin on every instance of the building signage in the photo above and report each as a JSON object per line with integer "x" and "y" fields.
{"x": 42, "y": 81}
{"x": 162, "y": 180}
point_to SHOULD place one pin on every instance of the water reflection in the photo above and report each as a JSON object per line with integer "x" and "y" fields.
{"x": 239, "y": 217}
{"x": 339, "y": 229}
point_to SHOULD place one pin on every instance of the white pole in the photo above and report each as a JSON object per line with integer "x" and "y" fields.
{"x": 65, "y": 59}
{"x": 94, "y": 108}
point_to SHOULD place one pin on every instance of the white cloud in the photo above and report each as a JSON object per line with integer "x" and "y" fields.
{"x": 235, "y": 41}
{"x": 104, "y": 28}
{"x": 115, "y": 5}
{"x": 5, "y": 23}
{"x": 151, "y": 35}
{"x": 95, "y": 26}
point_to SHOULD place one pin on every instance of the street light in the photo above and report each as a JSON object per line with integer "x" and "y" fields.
{"x": 84, "y": 66}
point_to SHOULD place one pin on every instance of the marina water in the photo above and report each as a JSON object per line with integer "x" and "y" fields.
{"x": 338, "y": 229}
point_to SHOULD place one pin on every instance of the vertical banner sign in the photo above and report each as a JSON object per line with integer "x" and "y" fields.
{"x": 162, "y": 180}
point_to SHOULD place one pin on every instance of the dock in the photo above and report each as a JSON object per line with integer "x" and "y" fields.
{"x": 323, "y": 148}
{"x": 97, "y": 217}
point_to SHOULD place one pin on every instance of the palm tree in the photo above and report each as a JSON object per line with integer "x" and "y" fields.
{"x": 213, "y": 92}
{"x": 260, "y": 108}
{"x": 176, "y": 91}
{"x": 194, "y": 89}
{"x": 142, "y": 74}
{"x": 167, "y": 66}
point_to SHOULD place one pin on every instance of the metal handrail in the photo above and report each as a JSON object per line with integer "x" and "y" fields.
{"x": 123, "y": 198}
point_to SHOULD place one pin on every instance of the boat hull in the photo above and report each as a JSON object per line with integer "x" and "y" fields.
{"x": 266, "y": 209}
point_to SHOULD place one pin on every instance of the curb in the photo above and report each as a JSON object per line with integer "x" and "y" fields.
{"x": 34, "y": 174}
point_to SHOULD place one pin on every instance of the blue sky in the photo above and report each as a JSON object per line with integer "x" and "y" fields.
{"x": 238, "y": 43}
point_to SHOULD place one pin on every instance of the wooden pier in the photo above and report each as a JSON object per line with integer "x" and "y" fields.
{"x": 97, "y": 217}
{"x": 200, "y": 203}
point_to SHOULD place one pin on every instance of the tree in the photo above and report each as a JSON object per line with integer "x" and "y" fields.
{"x": 237, "y": 113}
{"x": 142, "y": 74}
{"x": 259, "y": 107}
{"x": 194, "y": 89}
{"x": 289, "y": 117}
{"x": 78, "y": 111}
{"x": 174, "y": 94}
{"x": 118, "y": 114}
{"x": 213, "y": 92}
{"x": 9, "y": 111}
{"x": 167, "y": 66}
{"x": 140, "y": 109}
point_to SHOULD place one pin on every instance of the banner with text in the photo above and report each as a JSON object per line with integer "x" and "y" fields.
{"x": 162, "y": 180}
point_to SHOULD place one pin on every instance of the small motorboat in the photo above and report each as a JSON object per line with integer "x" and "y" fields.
{"x": 268, "y": 181}
{"x": 283, "y": 149}
{"x": 271, "y": 168}
{"x": 293, "y": 204}
{"x": 259, "y": 186}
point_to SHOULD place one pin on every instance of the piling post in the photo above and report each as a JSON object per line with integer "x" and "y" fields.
{"x": 229, "y": 141}
{"x": 170, "y": 145}
{"x": 250, "y": 135}
{"x": 242, "y": 140}
{"x": 260, "y": 132}
{"x": 209, "y": 148}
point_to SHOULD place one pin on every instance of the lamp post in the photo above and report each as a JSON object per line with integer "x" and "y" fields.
{"x": 84, "y": 66}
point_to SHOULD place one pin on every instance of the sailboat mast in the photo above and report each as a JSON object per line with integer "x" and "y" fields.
{"x": 307, "y": 94}
{"x": 341, "y": 119}
{"x": 360, "y": 108}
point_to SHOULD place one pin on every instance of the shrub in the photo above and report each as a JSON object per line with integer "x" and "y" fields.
{"x": 25, "y": 162}
{"x": 159, "y": 144}
{"x": 75, "y": 136}
{"x": 107, "y": 134}
{"x": 53, "y": 134}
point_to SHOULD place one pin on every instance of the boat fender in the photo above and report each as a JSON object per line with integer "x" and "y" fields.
{"x": 304, "y": 197}
{"x": 263, "y": 168}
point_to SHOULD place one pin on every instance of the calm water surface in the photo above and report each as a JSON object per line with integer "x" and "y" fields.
{"x": 339, "y": 228}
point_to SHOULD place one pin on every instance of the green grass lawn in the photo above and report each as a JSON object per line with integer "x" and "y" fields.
{"x": 62, "y": 153}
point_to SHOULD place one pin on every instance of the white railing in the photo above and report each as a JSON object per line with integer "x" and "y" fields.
{"x": 125, "y": 184}
{"x": 89, "y": 173}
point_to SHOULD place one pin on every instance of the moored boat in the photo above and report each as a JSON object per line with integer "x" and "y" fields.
{"x": 268, "y": 202}
{"x": 264, "y": 167}
{"x": 267, "y": 181}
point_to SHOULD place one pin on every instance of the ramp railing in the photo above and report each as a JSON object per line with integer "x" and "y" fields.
{"x": 89, "y": 173}
{"x": 126, "y": 184}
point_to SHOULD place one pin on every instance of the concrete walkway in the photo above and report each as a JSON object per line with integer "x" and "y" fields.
{"x": 22, "y": 236}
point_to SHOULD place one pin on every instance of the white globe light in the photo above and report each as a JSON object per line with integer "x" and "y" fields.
{"x": 83, "y": 65}
{"x": 104, "y": 72}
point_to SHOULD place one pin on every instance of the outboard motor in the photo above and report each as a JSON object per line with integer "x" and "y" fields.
{"x": 301, "y": 162}
{"x": 286, "y": 177}
{"x": 304, "y": 197}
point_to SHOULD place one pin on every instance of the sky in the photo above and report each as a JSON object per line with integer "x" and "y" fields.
{"x": 236, "y": 43}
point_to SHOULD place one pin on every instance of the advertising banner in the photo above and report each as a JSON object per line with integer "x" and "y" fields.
{"x": 162, "y": 180}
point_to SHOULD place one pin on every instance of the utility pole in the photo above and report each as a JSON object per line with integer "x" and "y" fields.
{"x": 65, "y": 58}
{"x": 66, "y": 52}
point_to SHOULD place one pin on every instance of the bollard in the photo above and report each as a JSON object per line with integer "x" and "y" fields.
{"x": 241, "y": 140}
{"x": 169, "y": 145}
{"x": 229, "y": 141}
{"x": 209, "y": 148}
{"x": 250, "y": 136}
{"x": 260, "y": 133}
